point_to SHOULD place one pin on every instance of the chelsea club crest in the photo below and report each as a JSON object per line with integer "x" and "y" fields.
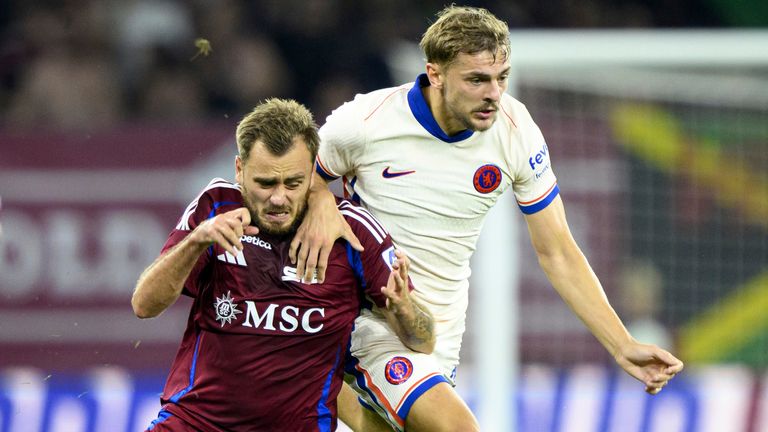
{"x": 487, "y": 178}
{"x": 398, "y": 370}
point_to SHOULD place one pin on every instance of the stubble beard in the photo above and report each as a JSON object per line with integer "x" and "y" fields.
{"x": 269, "y": 229}
{"x": 466, "y": 118}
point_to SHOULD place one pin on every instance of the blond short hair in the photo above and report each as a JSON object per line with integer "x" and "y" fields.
{"x": 461, "y": 29}
{"x": 276, "y": 122}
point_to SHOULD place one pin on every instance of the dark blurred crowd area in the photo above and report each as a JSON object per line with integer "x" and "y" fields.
{"x": 79, "y": 65}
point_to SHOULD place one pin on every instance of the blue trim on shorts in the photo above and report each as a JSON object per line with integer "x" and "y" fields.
{"x": 175, "y": 398}
{"x": 162, "y": 416}
{"x": 365, "y": 405}
{"x": 325, "y": 418}
{"x": 350, "y": 369}
{"x": 423, "y": 387}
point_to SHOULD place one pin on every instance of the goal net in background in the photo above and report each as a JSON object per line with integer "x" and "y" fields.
{"x": 660, "y": 144}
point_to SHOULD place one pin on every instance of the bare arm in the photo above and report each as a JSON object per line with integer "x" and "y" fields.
{"x": 571, "y": 275}
{"x": 322, "y": 225}
{"x": 160, "y": 285}
{"x": 411, "y": 321}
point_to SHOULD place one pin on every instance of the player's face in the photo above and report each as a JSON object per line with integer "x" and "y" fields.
{"x": 275, "y": 188}
{"x": 472, "y": 89}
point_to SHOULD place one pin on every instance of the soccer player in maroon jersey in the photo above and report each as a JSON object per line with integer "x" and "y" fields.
{"x": 262, "y": 350}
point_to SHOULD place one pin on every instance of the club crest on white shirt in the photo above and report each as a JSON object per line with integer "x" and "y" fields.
{"x": 487, "y": 178}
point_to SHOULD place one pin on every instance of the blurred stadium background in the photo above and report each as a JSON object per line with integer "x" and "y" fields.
{"x": 111, "y": 122}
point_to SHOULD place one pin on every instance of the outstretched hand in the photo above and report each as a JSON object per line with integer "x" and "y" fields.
{"x": 650, "y": 364}
{"x": 396, "y": 292}
{"x": 312, "y": 244}
{"x": 225, "y": 230}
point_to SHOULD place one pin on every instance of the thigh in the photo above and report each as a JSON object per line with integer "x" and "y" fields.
{"x": 356, "y": 416}
{"x": 440, "y": 409}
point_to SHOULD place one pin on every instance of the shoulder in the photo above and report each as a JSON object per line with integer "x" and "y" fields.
{"x": 362, "y": 222}
{"x": 365, "y": 106}
{"x": 220, "y": 190}
{"x": 514, "y": 112}
{"x": 217, "y": 195}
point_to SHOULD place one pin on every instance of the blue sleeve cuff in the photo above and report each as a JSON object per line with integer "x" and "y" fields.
{"x": 541, "y": 203}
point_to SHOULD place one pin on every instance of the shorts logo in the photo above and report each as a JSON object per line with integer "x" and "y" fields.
{"x": 398, "y": 370}
{"x": 487, "y": 178}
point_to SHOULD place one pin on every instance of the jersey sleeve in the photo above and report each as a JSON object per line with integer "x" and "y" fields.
{"x": 217, "y": 197}
{"x": 342, "y": 141}
{"x": 379, "y": 254}
{"x": 535, "y": 185}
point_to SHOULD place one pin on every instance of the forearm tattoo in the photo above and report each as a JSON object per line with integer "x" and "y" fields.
{"x": 419, "y": 327}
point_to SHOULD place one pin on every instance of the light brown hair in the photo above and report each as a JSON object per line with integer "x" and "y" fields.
{"x": 275, "y": 122}
{"x": 468, "y": 30}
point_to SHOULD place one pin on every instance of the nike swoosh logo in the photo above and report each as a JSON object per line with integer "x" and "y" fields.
{"x": 387, "y": 174}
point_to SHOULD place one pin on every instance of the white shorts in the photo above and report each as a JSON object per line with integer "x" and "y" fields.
{"x": 387, "y": 376}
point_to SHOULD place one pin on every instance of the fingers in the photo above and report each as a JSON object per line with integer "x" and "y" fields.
{"x": 301, "y": 259}
{"x": 403, "y": 264}
{"x": 244, "y": 215}
{"x": 312, "y": 261}
{"x": 652, "y": 390}
{"x": 227, "y": 229}
{"x": 251, "y": 230}
{"x": 390, "y": 292}
{"x": 298, "y": 239}
{"x": 310, "y": 264}
{"x": 310, "y": 254}
{"x": 322, "y": 263}
{"x": 659, "y": 379}
{"x": 350, "y": 237}
{"x": 675, "y": 365}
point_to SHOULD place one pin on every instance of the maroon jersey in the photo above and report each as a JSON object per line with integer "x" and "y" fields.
{"x": 263, "y": 351}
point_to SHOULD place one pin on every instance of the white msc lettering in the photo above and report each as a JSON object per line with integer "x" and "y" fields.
{"x": 305, "y": 320}
{"x": 289, "y": 318}
{"x": 289, "y": 274}
{"x": 252, "y": 312}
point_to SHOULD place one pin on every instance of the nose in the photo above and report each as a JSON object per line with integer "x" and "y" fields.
{"x": 494, "y": 90}
{"x": 278, "y": 196}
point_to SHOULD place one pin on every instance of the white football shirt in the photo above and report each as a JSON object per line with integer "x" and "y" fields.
{"x": 432, "y": 191}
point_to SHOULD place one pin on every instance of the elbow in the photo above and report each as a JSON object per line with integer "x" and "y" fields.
{"x": 141, "y": 310}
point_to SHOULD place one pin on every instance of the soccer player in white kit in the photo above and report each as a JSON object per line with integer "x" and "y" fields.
{"x": 429, "y": 159}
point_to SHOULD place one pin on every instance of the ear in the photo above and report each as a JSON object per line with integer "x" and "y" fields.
{"x": 435, "y": 75}
{"x": 238, "y": 169}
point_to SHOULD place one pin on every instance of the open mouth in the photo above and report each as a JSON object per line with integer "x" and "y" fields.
{"x": 277, "y": 215}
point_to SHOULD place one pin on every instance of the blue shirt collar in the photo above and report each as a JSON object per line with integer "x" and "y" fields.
{"x": 424, "y": 116}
